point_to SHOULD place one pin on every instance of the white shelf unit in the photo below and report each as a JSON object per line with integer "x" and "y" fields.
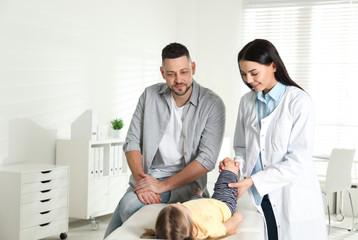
{"x": 99, "y": 175}
{"x": 34, "y": 201}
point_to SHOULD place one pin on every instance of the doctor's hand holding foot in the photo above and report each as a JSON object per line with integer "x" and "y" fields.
{"x": 273, "y": 142}
{"x": 242, "y": 185}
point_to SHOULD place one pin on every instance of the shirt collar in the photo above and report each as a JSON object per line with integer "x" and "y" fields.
{"x": 275, "y": 93}
{"x": 194, "y": 94}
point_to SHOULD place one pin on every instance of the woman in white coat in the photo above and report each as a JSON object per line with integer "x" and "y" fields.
{"x": 273, "y": 143}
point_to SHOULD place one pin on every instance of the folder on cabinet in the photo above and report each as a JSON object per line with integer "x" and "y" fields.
{"x": 91, "y": 167}
{"x": 111, "y": 160}
{"x": 100, "y": 159}
{"x": 115, "y": 160}
{"x": 120, "y": 157}
{"x": 96, "y": 161}
{"x": 118, "y": 153}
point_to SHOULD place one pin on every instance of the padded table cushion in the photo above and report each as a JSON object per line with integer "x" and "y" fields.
{"x": 252, "y": 228}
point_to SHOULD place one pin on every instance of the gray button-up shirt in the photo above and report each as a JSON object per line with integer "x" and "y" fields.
{"x": 203, "y": 127}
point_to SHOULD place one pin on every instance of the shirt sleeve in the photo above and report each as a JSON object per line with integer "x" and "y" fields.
{"x": 213, "y": 133}
{"x": 134, "y": 138}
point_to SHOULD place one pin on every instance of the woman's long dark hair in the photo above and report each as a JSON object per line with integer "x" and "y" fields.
{"x": 264, "y": 52}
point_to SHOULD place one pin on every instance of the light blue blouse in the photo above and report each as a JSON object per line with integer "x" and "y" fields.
{"x": 265, "y": 105}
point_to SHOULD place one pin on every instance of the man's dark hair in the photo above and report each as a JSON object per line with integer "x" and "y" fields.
{"x": 175, "y": 50}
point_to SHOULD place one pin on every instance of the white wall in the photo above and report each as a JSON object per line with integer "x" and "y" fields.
{"x": 219, "y": 27}
{"x": 59, "y": 58}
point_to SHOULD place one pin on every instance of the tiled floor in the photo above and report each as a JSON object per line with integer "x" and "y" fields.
{"x": 339, "y": 233}
{"x": 81, "y": 230}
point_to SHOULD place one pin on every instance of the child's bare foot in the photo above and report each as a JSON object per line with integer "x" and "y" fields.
{"x": 231, "y": 167}
{"x": 198, "y": 191}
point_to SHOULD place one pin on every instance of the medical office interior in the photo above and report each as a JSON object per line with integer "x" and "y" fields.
{"x": 67, "y": 67}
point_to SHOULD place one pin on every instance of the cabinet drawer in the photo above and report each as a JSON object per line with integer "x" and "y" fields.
{"x": 44, "y": 205}
{"x": 44, "y": 185}
{"x": 43, "y": 195}
{"x": 45, "y": 175}
{"x": 44, "y": 230}
{"x": 43, "y": 217}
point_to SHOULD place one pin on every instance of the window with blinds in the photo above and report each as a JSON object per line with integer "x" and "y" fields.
{"x": 318, "y": 41}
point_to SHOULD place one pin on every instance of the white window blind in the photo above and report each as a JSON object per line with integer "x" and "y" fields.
{"x": 318, "y": 42}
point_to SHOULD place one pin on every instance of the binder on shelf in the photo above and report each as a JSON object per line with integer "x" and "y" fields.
{"x": 111, "y": 160}
{"x": 91, "y": 167}
{"x": 115, "y": 162}
{"x": 105, "y": 160}
{"x": 101, "y": 159}
{"x": 120, "y": 158}
{"x": 96, "y": 161}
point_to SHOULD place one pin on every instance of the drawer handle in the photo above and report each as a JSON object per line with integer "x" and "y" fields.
{"x": 45, "y": 191}
{"x": 45, "y": 172}
{"x": 42, "y": 213}
{"x": 45, "y": 200}
{"x": 46, "y": 181}
{"x": 45, "y": 224}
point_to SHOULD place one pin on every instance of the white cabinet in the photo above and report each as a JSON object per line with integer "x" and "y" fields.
{"x": 99, "y": 175}
{"x": 34, "y": 201}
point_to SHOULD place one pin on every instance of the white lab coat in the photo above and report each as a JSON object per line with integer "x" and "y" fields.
{"x": 289, "y": 176}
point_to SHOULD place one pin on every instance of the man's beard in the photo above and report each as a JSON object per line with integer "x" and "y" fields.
{"x": 182, "y": 94}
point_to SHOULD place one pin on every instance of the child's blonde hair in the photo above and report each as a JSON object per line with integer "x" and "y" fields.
{"x": 172, "y": 224}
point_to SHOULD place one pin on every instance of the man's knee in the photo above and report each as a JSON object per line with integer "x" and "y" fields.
{"x": 128, "y": 205}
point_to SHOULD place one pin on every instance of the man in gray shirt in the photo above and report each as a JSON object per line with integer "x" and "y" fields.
{"x": 173, "y": 140}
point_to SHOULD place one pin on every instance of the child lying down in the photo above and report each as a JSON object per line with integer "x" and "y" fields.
{"x": 201, "y": 218}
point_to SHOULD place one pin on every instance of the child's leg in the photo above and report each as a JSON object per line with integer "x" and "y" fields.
{"x": 221, "y": 190}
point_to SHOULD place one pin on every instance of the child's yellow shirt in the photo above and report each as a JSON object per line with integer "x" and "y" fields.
{"x": 208, "y": 216}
